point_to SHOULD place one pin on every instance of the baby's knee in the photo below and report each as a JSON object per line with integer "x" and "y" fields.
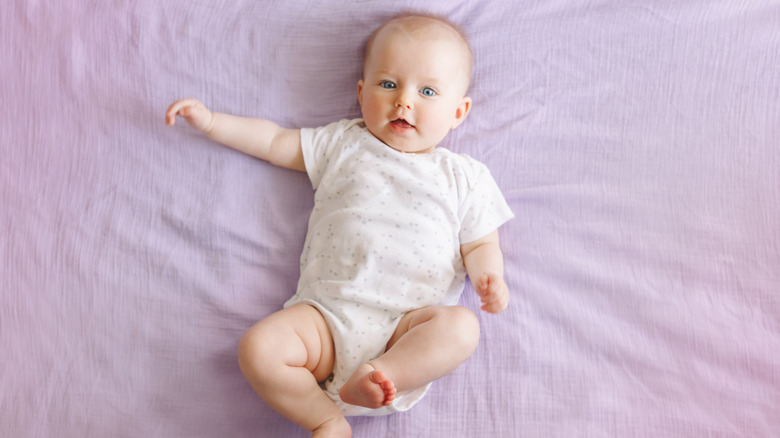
{"x": 254, "y": 350}
{"x": 464, "y": 327}
{"x": 247, "y": 348}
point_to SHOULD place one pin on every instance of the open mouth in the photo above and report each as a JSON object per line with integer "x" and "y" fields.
{"x": 401, "y": 124}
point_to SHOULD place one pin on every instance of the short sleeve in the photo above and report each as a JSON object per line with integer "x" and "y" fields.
{"x": 320, "y": 144}
{"x": 484, "y": 208}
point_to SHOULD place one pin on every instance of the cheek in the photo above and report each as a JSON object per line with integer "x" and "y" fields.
{"x": 438, "y": 120}
{"x": 371, "y": 108}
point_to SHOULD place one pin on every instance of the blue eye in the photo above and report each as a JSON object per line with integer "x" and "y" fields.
{"x": 428, "y": 92}
{"x": 387, "y": 84}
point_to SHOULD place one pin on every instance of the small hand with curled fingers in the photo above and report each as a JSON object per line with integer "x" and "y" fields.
{"x": 193, "y": 111}
{"x": 493, "y": 292}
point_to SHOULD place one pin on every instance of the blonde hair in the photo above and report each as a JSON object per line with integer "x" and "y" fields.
{"x": 413, "y": 21}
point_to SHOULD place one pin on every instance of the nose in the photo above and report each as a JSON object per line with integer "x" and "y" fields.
{"x": 404, "y": 100}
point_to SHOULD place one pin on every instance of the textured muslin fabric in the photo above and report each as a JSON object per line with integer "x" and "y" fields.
{"x": 636, "y": 143}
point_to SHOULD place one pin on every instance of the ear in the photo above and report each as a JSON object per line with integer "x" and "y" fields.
{"x": 461, "y": 112}
{"x": 360, "y": 92}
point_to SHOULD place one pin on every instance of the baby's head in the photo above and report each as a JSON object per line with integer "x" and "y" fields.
{"x": 415, "y": 78}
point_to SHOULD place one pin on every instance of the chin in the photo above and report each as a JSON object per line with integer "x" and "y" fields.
{"x": 413, "y": 150}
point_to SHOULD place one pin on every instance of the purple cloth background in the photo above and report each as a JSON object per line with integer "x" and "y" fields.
{"x": 638, "y": 144}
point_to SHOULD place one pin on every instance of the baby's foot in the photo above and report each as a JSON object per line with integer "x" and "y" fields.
{"x": 368, "y": 388}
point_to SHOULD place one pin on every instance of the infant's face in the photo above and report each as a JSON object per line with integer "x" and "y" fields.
{"x": 412, "y": 93}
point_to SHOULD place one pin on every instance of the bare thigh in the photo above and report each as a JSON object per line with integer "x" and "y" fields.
{"x": 297, "y": 335}
{"x": 461, "y": 321}
{"x": 428, "y": 344}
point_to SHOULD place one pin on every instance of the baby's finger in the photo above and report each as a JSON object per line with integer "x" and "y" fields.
{"x": 174, "y": 110}
{"x": 490, "y": 296}
{"x": 496, "y": 306}
{"x": 493, "y": 307}
{"x": 185, "y": 111}
{"x": 489, "y": 308}
{"x": 496, "y": 296}
{"x": 170, "y": 117}
{"x": 483, "y": 284}
{"x": 492, "y": 279}
{"x": 179, "y": 108}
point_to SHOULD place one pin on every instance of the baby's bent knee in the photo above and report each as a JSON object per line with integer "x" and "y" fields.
{"x": 457, "y": 323}
{"x": 264, "y": 346}
{"x": 251, "y": 351}
{"x": 464, "y": 325}
{"x": 293, "y": 337}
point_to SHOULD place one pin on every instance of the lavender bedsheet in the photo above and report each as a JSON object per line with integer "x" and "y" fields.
{"x": 638, "y": 143}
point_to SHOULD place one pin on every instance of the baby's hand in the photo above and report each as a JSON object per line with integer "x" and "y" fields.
{"x": 193, "y": 111}
{"x": 494, "y": 293}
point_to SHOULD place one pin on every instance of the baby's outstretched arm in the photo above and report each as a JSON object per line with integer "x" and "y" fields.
{"x": 256, "y": 137}
{"x": 485, "y": 265}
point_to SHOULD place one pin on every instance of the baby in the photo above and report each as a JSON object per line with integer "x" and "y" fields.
{"x": 396, "y": 226}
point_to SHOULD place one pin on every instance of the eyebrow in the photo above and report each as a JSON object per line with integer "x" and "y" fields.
{"x": 426, "y": 80}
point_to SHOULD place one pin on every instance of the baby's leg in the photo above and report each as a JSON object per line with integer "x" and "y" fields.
{"x": 283, "y": 357}
{"x": 428, "y": 344}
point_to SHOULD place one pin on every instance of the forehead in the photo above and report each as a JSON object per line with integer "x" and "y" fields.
{"x": 414, "y": 36}
{"x": 420, "y": 30}
{"x": 395, "y": 45}
{"x": 422, "y": 27}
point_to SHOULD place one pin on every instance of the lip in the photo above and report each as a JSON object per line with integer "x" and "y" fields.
{"x": 401, "y": 126}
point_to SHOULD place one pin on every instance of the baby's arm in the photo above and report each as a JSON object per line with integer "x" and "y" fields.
{"x": 256, "y": 137}
{"x": 485, "y": 265}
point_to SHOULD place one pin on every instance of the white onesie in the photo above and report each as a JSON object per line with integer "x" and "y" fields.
{"x": 384, "y": 238}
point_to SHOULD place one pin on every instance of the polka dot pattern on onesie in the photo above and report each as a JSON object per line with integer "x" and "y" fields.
{"x": 384, "y": 235}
